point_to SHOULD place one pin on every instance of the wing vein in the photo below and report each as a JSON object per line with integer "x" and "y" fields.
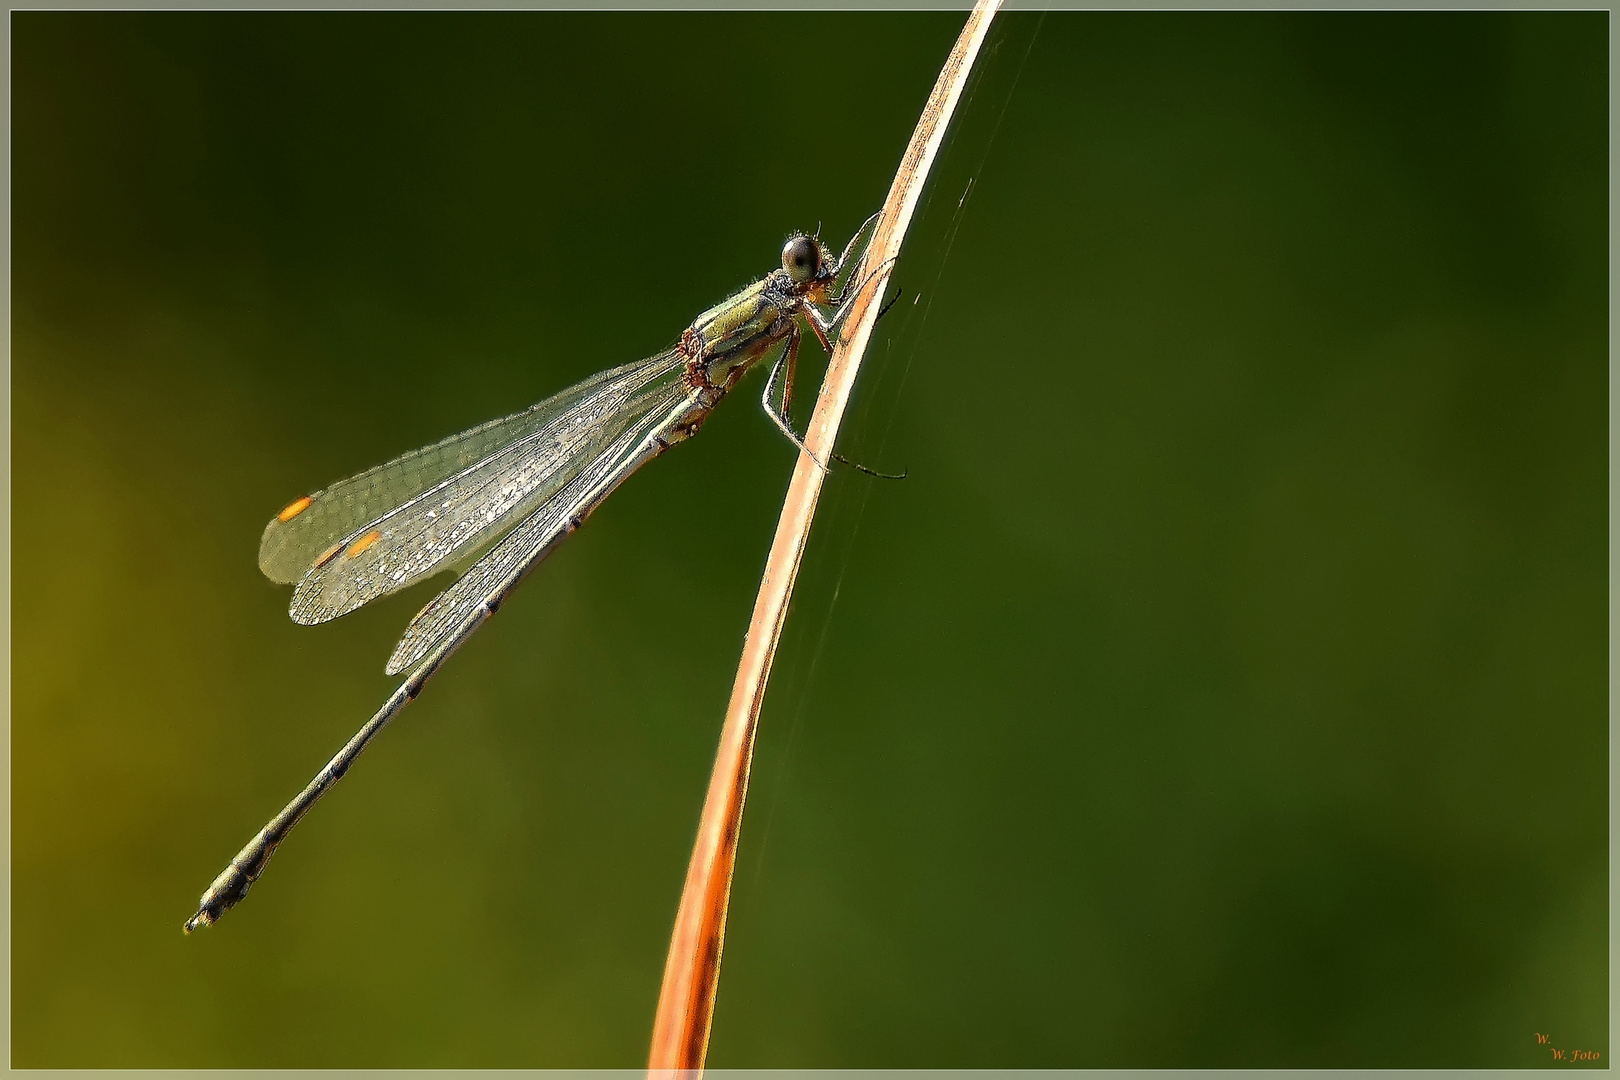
{"x": 475, "y": 593}
{"x": 385, "y": 550}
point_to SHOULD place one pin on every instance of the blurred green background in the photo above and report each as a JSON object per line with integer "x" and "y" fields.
{"x": 1225, "y": 686}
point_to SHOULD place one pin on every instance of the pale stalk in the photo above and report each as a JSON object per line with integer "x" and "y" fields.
{"x": 691, "y": 974}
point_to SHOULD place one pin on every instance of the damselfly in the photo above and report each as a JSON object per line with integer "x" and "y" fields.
{"x": 515, "y": 488}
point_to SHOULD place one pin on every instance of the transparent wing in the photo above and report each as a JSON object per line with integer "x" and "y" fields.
{"x": 402, "y": 521}
{"x": 297, "y": 537}
{"x": 477, "y": 593}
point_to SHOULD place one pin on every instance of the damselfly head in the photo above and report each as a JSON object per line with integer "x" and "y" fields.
{"x": 804, "y": 259}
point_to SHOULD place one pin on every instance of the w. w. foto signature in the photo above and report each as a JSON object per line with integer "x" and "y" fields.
{"x": 1566, "y": 1055}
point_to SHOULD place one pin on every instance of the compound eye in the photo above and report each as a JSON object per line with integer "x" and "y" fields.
{"x": 801, "y": 258}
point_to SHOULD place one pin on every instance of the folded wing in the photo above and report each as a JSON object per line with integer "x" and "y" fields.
{"x": 378, "y": 532}
{"x": 451, "y": 615}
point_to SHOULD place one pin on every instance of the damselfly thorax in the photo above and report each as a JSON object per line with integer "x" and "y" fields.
{"x": 728, "y": 339}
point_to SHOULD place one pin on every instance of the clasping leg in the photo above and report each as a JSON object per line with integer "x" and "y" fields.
{"x": 787, "y": 363}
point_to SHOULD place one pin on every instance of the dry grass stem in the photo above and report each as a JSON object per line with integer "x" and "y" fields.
{"x": 691, "y": 974}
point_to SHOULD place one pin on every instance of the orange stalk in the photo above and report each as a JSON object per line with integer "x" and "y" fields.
{"x": 692, "y": 972}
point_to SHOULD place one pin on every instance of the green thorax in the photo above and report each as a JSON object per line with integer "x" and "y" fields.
{"x": 739, "y": 329}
